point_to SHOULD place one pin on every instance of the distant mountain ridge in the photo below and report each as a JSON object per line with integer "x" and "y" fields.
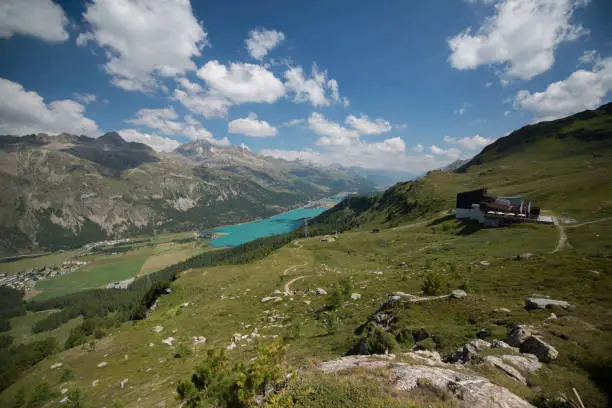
{"x": 66, "y": 190}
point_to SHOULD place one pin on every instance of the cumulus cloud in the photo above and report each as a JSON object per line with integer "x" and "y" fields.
{"x": 157, "y": 143}
{"x": 251, "y": 126}
{"x": 226, "y": 86}
{"x": 332, "y": 133}
{"x": 241, "y": 83}
{"x": 583, "y": 89}
{"x": 260, "y": 42}
{"x": 365, "y": 126}
{"x": 589, "y": 57}
{"x": 510, "y": 37}
{"x": 144, "y": 39}
{"x": 85, "y": 98}
{"x": 462, "y": 109}
{"x": 166, "y": 121}
{"x": 471, "y": 143}
{"x": 316, "y": 89}
{"x": 418, "y": 148}
{"x": 37, "y": 18}
{"x": 452, "y": 153}
{"x": 24, "y": 112}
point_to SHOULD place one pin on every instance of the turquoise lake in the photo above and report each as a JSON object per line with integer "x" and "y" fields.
{"x": 249, "y": 231}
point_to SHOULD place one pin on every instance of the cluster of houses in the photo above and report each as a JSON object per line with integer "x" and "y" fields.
{"x": 93, "y": 245}
{"x": 25, "y": 281}
{"x": 493, "y": 211}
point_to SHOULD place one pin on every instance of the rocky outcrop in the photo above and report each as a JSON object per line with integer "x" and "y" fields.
{"x": 527, "y": 363}
{"x": 543, "y": 303}
{"x": 528, "y": 341}
{"x": 471, "y": 351}
{"x": 468, "y": 390}
{"x": 518, "y": 335}
{"x": 508, "y": 369}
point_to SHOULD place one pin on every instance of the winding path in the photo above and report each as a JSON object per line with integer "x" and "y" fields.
{"x": 562, "y": 242}
{"x": 590, "y": 222}
{"x": 287, "y": 287}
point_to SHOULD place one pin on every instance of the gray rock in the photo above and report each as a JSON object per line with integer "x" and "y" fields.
{"x": 123, "y": 382}
{"x": 524, "y": 256}
{"x": 458, "y": 294}
{"x": 355, "y": 296}
{"x": 508, "y": 369}
{"x": 471, "y": 351}
{"x": 518, "y": 335}
{"x": 541, "y": 349}
{"x": 503, "y": 344}
{"x": 320, "y": 291}
{"x": 431, "y": 358}
{"x": 274, "y": 298}
{"x": 527, "y": 363}
{"x": 469, "y": 391}
{"x": 543, "y": 303}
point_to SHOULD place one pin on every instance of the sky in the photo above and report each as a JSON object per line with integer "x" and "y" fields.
{"x": 388, "y": 85}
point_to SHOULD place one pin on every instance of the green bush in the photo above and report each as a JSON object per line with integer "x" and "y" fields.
{"x": 432, "y": 284}
{"x": 375, "y": 341}
{"x": 215, "y": 383}
{"x": 404, "y": 336}
{"x": 42, "y": 394}
{"x": 182, "y": 351}
{"x": 5, "y": 340}
{"x": 336, "y": 298}
{"x": 427, "y": 344}
{"x": 76, "y": 399}
{"x": 346, "y": 285}
{"x": 331, "y": 320}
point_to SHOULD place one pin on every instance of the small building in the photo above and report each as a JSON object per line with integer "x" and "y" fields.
{"x": 492, "y": 211}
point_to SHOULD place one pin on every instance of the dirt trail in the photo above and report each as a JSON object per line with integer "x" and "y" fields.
{"x": 562, "y": 236}
{"x": 287, "y": 288}
{"x": 589, "y": 222}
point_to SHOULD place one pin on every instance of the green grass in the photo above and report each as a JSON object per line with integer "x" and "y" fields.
{"x": 21, "y": 328}
{"x": 124, "y": 267}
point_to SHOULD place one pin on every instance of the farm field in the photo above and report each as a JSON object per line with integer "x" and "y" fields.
{"x": 21, "y": 328}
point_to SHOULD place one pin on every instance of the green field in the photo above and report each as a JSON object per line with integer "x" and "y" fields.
{"x": 21, "y": 328}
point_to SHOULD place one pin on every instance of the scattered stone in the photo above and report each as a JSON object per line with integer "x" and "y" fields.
{"x": 168, "y": 290}
{"x": 274, "y": 298}
{"x": 379, "y": 273}
{"x": 102, "y": 364}
{"x": 168, "y": 341}
{"x": 523, "y": 257}
{"x": 94, "y": 383}
{"x": 508, "y": 369}
{"x": 552, "y": 317}
{"x": 403, "y": 264}
{"x": 236, "y": 337}
{"x": 186, "y": 304}
{"x": 542, "y": 303}
{"x": 542, "y": 350}
{"x": 502, "y": 344}
{"x": 527, "y": 363}
{"x": 320, "y": 291}
{"x": 65, "y": 399}
{"x": 125, "y": 357}
{"x": 254, "y": 333}
{"x": 470, "y": 390}
{"x": 174, "y": 331}
{"x": 56, "y": 365}
{"x": 151, "y": 345}
{"x": 502, "y": 310}
{"x": 158, "y": 329}
{"x": 395, "y": 298}
{"x": 484, "y": 263}
{"x": 123, "y": 382}
{"x": 518, "y": 335}
{"x": 198, "y": 340}
{"x": 64, "y": 390}
{"x": 277, "y": 292}
{"x": 458, "y": 294}
{"x": 482, "y": 333}
{"x": 307, "y": 302}
{"x": 355, "y": 296}
{"x": 231, "y": 346}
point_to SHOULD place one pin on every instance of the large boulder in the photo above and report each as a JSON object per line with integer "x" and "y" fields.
{"x": 543, "y": 303}
{"x": 468, "y": 390}
{"x": 527, "y": 363}
{"x": 508, "y": 369}
{"x": 458, "y": 294}
{"x": 518, "y": 335}
{"x": 541, "y": 349}
{"x": 471, "y": 351}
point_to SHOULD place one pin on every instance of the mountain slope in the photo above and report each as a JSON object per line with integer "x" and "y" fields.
{"x": 66, "y": 190}
{"x": 564, "y": 165}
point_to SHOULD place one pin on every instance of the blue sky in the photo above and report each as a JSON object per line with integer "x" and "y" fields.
{"x": 395, "y": 85}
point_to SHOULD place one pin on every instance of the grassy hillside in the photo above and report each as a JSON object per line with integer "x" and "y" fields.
{"x": 419, "y": 249}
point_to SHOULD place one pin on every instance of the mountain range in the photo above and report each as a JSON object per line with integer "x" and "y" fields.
{"x": 63, "y": 191}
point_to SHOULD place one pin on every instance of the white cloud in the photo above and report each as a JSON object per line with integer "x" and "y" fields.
{"x": 523, "y": 34}
{"x": 507, "y": 113}
{"x": 260, "y": 42}
{"x": 313, "y": 89}
{"x": 165, "y": 120}
{"x": 581, "y": 90}
{"x": 251, "y": 126}
{"x": 332, "y": 133}
{"x": 85, "y": 98}
{"x": 589, "y": 57}
{"x": 471, "y": 143}
{"x": 198, "y": 100}
{"x": 241, "y": 82}
{"x": 293, "y": 122}
{"x": 157, "y": 143}
{"x": 488, "y": 84}
{"x": 452, "y": 153}
{"x": 462, "y": 109}
{"x": 418, "y": 148}
{"x": 24, "y": 112}
{"x": 144, "y": 39}
{"x": 38, "y": 18}
{"x": 365, "y": 126}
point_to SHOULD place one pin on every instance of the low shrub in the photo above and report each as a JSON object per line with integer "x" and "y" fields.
{"x": 432, "y": 284}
